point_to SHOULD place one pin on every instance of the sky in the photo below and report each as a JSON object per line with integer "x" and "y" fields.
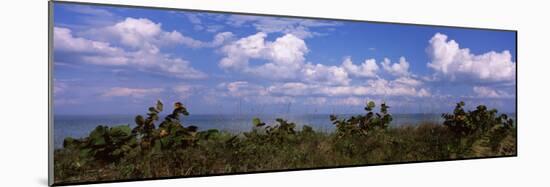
{"x": 120, "y": 60}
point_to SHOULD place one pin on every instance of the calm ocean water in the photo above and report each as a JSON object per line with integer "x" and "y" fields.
{"x": 80, "y": 125}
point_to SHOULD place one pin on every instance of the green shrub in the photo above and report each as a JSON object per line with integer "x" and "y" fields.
{"x": 363, "y": 124}
{"x": 104, "y": 143}
{"x": 111, "y": 144}
{"x": 480, "y": 131}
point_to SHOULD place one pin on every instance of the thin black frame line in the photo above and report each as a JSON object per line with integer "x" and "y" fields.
{"x": 517, "y": 106}
{"x": 50, "y": 99}
{"x": 276, "y": 15}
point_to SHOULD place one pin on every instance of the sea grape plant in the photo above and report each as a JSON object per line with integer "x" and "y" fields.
{"x": 479, "y": 121}
{"x": 145, "y": 127}
{"x": 281, "y": 131}
{"x": 104, "y": 143}
{"x": 363, "y": 124}
{"x": 257, "y": 122}
{"x": 282, "y": 128}
{"x": 171, "y": 131}
{"x": 481, "y": 127}
{"x": 112, "y": 143}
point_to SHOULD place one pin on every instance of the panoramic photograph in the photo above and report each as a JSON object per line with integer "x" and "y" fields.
{"x": 147, "y": 93}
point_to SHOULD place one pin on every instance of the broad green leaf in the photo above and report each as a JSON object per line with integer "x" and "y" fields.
{"x": 371, "y": 104}
{"x": 139, "y": 120}
{"x": 159, "y": 105}
{"x": 256, "y": 122}
{"x": 122, "y": 130}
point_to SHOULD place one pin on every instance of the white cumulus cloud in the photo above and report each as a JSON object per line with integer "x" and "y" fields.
{"x": 319, "y": 73}
{"x": 368, "y": 68}
{"x": 397, "y": 69}
{"x": 284, "y": 56}
{"x": 452, "y": 62}
{"x": 65, "y": 41}
{"x": 103, "y": 53}
{"x": 141, "y": 32}
{"x": 284, "y": 59}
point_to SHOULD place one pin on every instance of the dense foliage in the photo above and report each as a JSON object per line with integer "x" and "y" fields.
{"x": 172, "y": 149}
{"x": 363, "y": 124}
{"x": 481, "y": 129}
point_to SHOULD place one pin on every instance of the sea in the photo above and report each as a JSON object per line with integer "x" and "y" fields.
{"x": 78, "y": 126}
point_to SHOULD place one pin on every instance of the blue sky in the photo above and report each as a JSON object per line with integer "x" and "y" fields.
{"x": 115, "y": 60}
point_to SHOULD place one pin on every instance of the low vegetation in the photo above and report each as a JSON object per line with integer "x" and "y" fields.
{"x": 175, "y": 149}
